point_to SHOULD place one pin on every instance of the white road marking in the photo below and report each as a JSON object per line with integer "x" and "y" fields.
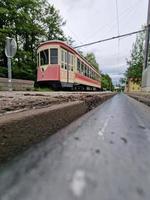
{"x": 78, "y": 183}
{"x": 102, "y": 130}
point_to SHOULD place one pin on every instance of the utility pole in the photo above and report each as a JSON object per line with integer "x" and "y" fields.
{"x": 146, "y": 68}
{"x": 147, "y": 38}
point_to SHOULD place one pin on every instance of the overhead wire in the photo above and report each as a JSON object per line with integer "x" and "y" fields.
{"x": 124, "y": 13}
{"x": 111, "y": 38}
{"x": 117, "y": 16}
{"x": 75, "y": 35}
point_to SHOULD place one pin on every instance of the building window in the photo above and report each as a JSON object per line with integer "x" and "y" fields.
{"x": 44, "y": 58}
{"x": 54, "y": 56}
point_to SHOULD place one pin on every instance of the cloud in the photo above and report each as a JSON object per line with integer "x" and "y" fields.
{"x": 114, "y": 69}
{"x": 93, "y": 20}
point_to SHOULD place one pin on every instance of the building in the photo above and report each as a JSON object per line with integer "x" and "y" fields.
{"x": 146, "y": 79}
{"x": 133, "y": 85}
{"x": 146, "y": 69}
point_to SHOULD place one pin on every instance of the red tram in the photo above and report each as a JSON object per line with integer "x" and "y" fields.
{"x": 60, "y": 66}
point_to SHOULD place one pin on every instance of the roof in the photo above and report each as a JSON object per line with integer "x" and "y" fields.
{"x": 68, "y": 47}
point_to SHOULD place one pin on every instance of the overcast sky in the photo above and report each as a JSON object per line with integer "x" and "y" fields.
{"x": 91, "y": 20}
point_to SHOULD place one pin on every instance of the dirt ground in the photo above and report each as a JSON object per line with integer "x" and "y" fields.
{"x": 21, "y": 101}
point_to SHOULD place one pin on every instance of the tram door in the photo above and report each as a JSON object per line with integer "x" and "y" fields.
{"x": 70, "y": 68}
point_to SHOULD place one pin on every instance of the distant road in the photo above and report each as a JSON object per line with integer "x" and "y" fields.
{"x": 104, "y": 155}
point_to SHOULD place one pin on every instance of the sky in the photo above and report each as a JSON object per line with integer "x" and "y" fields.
{"x": 92, "y": 20}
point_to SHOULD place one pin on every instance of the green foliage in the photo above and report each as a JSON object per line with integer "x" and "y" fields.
{"x": 29, "y": 22}
{"x": 43, "y": 89}
{"x": 135, "y": 62}
{"x": 90, "y": 57}
{"x": 52, "y": 23}
{"x": 106, "y": 82}
{"x": 122, "y": 81}
{"x": 3, "y": 72}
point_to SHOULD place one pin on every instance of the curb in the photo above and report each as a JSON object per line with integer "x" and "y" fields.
{"x": 140, "y": 99}
{"x": 19, "y": 131}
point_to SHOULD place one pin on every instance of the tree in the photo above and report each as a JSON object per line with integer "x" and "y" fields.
{"x": 106, "y": 82}
{"x": 122, "y": 81}
{"x": 136, "y": 60}
{"x": 52, "y": 23}
{"x": 92, "y": 60}
{"x": 29, "y": 22}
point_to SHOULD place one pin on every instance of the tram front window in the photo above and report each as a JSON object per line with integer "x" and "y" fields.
{"x": 54, "y": 56}
{"x": 44, "y": 60}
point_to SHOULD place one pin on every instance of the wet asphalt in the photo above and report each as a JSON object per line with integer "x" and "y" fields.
{"x": 104, "y": 155}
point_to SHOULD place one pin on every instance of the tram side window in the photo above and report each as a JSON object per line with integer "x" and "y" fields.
{"x": 82, "y": 68}
{"x": 88, "y": 71}
{"x": 96, "y": 77}
{"x": 71, "y": 62}
{"x": 62, "y": 59}
{"x": 44, "y": 58}
{"x": 93, "y": 75}
{"x": 54, "y": 56}
{"x": 78, "y": 65}
{"x": 68, "y": 61}
{"x": 38, "y": 64}
{"x": 65, "y": 60}
{"x": 85, "y": 70}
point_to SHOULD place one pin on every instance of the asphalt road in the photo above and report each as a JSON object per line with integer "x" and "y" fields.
{"x": 104, "y": 155}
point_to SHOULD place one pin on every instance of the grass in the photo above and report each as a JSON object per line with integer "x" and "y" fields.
{"x": 45, "y": 89}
